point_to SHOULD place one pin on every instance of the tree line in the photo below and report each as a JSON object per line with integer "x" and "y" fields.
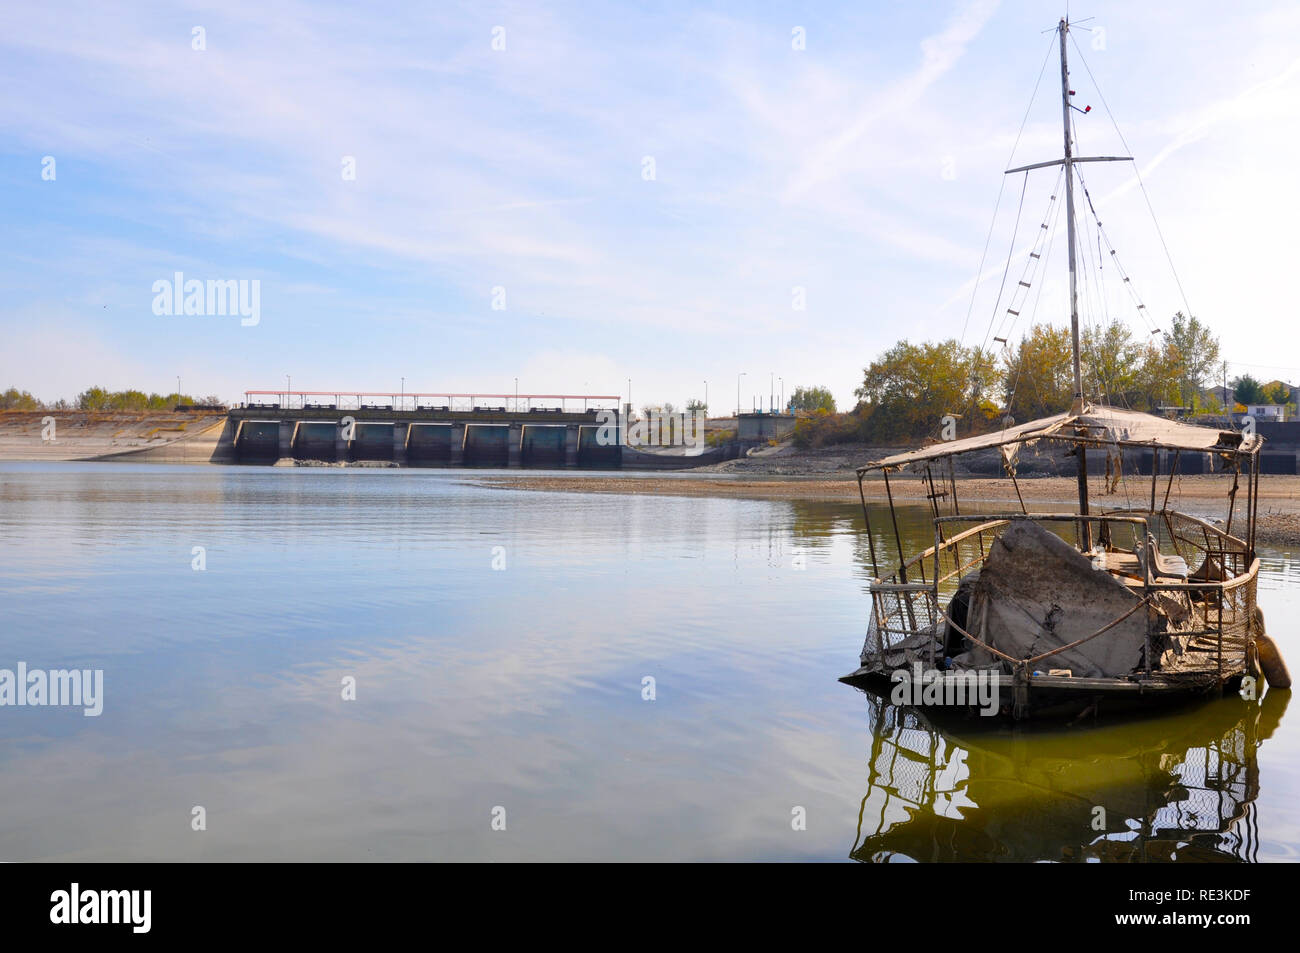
{"x": 102, "y": 400}
{"x": 908, "y": 390}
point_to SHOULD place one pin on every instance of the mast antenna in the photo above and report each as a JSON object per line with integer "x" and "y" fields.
{"x": 1063, "y": 28}
{"x": 1068, "y": 163}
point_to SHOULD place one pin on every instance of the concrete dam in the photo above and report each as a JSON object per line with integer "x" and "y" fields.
{"x": 484, "y": 439}
{"x": 424, "y": 430}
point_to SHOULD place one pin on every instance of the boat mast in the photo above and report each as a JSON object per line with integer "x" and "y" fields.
{"x": 1085, "y": 528}
{"x": 1069, "y": 213}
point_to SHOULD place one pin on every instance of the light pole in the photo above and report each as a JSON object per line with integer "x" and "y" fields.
{"x": 178, "y": 387}
{"x": 781, "y": 381}
{"x": 402, "y": 398}
{"x": 516, "y": 395}
{"x": 288, "y": 386}
{"x": 738, "y": 377}
{"x": 706, "y": 398}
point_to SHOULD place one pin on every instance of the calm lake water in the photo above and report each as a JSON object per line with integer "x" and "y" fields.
{"x": 500, "y": 641}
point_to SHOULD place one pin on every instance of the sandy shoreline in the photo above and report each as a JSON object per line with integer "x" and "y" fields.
{"x": 1279, "y": 508}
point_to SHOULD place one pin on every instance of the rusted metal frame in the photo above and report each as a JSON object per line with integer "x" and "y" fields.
{"x": 1205, "y": 527}
{"x": 1232, "y": 494}
{"x": 952, "y": 477}
{"x": 1155, "y": 473}
{"x": 1173, "y": 536}
{"x": 1255, "y": 525}
{"x": 1173, "y": 471}
{"x": 1085, "y": 526}
{"x": 1220, "y": 639}
{"x": 1146, "y": 594}
{"x": 1256, "y": 460}
{"x": 992, "y": 518}
{"x": 960, "y": 569}
{"x": 1077, "y": 439}
{"x": 876, "y": 602}
{"x": 963, "y": 535}
{"x": 1164, "y": 507}
{"x": 1131, "y": 444}
{"x": 898, "y": 541}
{"x": 934, "y": 513}
{"x": 934, "y": 493}
{"x": 1016, "y": 483}
{"x": 1189, "y": 586}
{"x": 866, "y": 518}
{"x": 938, "y": 545}
{"x": 877, "y": 608}
{"x": 1253, "y": 501}
{"x": 898, "y": 538}
{"x": 1254, "y": 519}
{"x": 1193, "y": 545}
{"x": 1250, "y": 502}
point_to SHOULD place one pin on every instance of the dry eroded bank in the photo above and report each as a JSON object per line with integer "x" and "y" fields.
{"x": 85, "y": 435}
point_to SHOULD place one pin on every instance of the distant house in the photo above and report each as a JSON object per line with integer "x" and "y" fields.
{"x": 1221, "y": 394}
{"x": 1273, "y": 413}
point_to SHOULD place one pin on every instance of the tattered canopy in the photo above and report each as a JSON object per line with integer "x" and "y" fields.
{"x": 1093, "y": 424}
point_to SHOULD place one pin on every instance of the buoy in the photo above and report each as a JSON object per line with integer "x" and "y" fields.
{"x": 1270, "y": 660}
{"x": 1269, "y": 656}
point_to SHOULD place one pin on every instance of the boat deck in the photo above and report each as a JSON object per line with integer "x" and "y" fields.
{"x": 1198, "y": 662}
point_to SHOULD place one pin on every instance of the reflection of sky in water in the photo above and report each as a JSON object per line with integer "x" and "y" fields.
{"x": 476, "y": 688}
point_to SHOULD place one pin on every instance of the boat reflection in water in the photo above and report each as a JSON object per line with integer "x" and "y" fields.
{"x": 1180, "y": 787}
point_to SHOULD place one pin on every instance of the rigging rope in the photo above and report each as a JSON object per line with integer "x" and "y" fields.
{"x": 1034, "y": 95}
{"x": 1150, "y": 208}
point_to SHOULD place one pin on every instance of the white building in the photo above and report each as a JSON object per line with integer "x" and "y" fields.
{"x": 1269, "y": 412}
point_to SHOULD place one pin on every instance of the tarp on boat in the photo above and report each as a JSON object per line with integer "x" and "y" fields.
{"x": 1036, "y": 593}
{"x": 1095, "y": 422}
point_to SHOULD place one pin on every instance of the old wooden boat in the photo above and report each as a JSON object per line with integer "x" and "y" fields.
{"x": 1092, "y": 610}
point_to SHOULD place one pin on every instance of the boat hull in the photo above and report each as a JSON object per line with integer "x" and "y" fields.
{"x": 1058, "y": 697}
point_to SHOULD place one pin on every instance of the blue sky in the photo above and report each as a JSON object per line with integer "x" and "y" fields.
{"x": 863, "y": 169}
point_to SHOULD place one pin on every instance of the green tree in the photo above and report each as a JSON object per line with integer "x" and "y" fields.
{"x": 15, "y": 399}
{"x": 1111, "y": 358}
{"x": 1040, "y": 374}
{"x": 1157, "y": 376}
{"x": 93, "y": 398}
{"x": 1247, "y": 390}
{"x": 1275, "y": 392}
{"x": 811, "y": 399}
{"x": 912, "y": 387}
{"x": 1197, "y": 352}
{"x": 128, "y": 401}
